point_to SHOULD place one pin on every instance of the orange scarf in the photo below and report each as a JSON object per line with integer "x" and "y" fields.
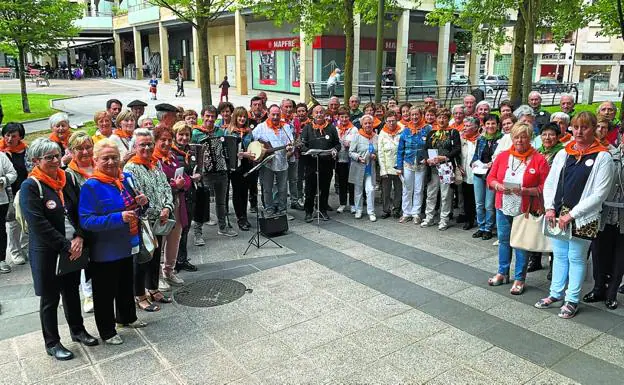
{"x": 161, "y": 156}
{"x": 471, "y": 137}
{"x": 304, "y": 122}
{"x": 104, "y": 178}
{"x": 253, "y": 116}
{"x": 522, "y": 156}
{"x": 287, "y": 118}
{"x": 566, "y": 138}
{"x": 387, "y": 130}
{"x": 74, "y": 166}
{"x": 205, "y": 130}
{"x": 605, "y": 142}
{"x": 320, "y": 127}
{"x": 415, "y": 127}
{"x": 275, "y": 128}
{"x": 404, "y": 122}
{"x": 436, "y": 127}
{"x": 63, "y": 142}
{"x": 594, "y": 148}
{"x": 364, "y": 134}
{"x": 376, "y": 122}
{"x": 458, "y": 126}
{"x": 185, "y": 154}
{"x": 342, "y": 130}
{"x": 122, "y": 134}
{"x": 55, "y": 184}
{"x": 18, "y": 148}
{"x": 150, "y": 164}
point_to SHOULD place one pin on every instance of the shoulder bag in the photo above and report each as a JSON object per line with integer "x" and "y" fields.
{"x": 527, "y": 232}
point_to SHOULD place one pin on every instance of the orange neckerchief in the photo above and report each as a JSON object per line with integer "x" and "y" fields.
{"x": 18, "y": 148}
{"x": 304, "y": 122}
{"x": 320, "y": 127}
{"x": 343, "y": 129}
{"x": 566, "y": 138}
{"x": 376, "y": 122}
{"x": 404, "y": 122}
{"x": 287, "y": 118}
{"x": 122, "y": 134}
{"x": 415, "y": 127}
{"x": 150, "y": 164}
{"x": 74, "y": 166}
{"x": 386, "y": 129}
{"x": 364, "y": 134}
{"x": 205, "y": 130}
{"x": 63, "y": 142}
{"x": 594, "y": 148}
{"x": 55, "y": 184}
{"x": 458, "y": 126}
{"x": 471, "y": 137}
{"x": 275, "y": 128}
{"x": 241, "y": 131}
{"x": 436, "y": 127}
{"x": 160, "y": 156}
{"x": 605, "y": 142}
{"x": 185, "y": 154}
{"x": 522, "y": 156}
{"x": 104, "y": 178}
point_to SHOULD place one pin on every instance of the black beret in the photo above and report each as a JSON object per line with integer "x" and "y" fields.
{"x": 137, "y": 103}
{"x": 166, "y": 107}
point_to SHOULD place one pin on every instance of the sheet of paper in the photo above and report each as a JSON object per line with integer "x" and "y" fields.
{"x": 479, "y": 168}
{"x": 179, "y": 172}
{"x": 432, "y": 153}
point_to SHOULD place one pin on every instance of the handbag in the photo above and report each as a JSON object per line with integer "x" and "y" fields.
{"x": 445, "y": 173}
{"x": 527, "y": 232}
{"x": 147, "y": 242}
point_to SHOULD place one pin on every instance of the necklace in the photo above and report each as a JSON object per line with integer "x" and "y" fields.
{"x": 514, "y": 169}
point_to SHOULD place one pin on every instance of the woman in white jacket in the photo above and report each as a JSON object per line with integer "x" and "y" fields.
{"x": 363, "y": 153}
{"x": 578, "y": 183}
{"x": 7, "y": 177}
{"x": 388, "y": 145}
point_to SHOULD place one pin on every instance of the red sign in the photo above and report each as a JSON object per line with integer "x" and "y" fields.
{"x": 270, "y": 82}
{"x": 296, "y": 83}
{"x": 279, "y": 44}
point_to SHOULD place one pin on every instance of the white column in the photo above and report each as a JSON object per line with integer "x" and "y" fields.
{"x": 164, "y": 51}
{"x": 444, "y": 41}
{"x": 240, "y": 32}
{"x": 196, "y": 58}
{"x": 138, "y": 53}
{"x": 356, "y": 53}
{"x": 614, "y": 79}
{"x": 306, "y": 74}
{"x": 118, "y": 63}
{"x": 401, "y": 52}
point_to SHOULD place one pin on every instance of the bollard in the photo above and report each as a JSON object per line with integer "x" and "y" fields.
{"x": 588, "y": 90}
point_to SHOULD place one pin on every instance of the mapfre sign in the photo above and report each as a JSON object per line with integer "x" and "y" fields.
{"x": 282, "y": 44}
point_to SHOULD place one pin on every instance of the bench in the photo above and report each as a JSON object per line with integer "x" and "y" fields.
{"x": 7, "y": 72}
{"x": 33, "y": 74}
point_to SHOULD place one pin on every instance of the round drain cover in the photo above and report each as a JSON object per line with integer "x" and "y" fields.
{"x": 210, "y": 292}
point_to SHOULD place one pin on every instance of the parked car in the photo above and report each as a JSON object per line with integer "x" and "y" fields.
{"x": 491, "y": 83}
{"x": 459, "y": 79}
{"x": 549, "y": 86}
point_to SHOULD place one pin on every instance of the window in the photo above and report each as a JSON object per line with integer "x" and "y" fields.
{"x": 597, "y": 56}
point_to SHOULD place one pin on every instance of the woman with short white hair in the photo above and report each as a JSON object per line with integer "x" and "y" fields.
{"x": 482, "y": 109}
{"x": 363, "y": 153}
{"x": 145, "y": 122}
{"x": 59, "y": 124}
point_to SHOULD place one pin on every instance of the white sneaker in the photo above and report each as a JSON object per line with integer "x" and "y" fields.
{"x": 353, "y": 210}
{"x": 372, "y": 217}
{"x": 212, "y": 222}
{"x": 426, "y": 223}
{"x": 163, "y": 286}
{"x": 174, "y": 280}
{"x": 443, "y": 226}
{"x": 358, "y": 215}
{"x": 19, "y": 260}
{"x": 87, "y": 305}
{"x": 114, "y": 340}
{"x": 417, "y": 220}
{"x": 199, "y": 240}
{"x": 341, "y": 209}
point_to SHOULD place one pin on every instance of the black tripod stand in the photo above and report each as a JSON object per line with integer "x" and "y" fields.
{"x": 255, "y": 239}
{"x": 316, "y": 154}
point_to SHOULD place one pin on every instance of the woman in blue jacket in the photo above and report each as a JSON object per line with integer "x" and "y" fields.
{"x": 109, "y": 209}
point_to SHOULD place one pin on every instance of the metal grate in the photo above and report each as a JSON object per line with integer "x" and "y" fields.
{"x": 211, "y": 292}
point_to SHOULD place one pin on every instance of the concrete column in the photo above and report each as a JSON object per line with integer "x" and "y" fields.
{"x": 196, "y": 59}
{"x": 614, "y": 79}
{"x": 117, "y": 54}
{"x": 164, "y": 51}
{"x": 401, "y": 52}
{"x": 306, "y": 74}
{"x": 240, "y": 34}
{"x": 356, "y": 54}
{"x": 444, "y": 41}
{"x": 138, "y": 53}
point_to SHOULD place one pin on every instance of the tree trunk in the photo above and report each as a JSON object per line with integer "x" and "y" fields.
{"x": 380, "y": 37}
{"x": 621, "y": 18}
{"x": 348, "y": 67}
{"x": 204, "y": 63}
{"x": 527, "y": 78}
{"x": 517, "y": 60}
{"x": 22, "y": 78}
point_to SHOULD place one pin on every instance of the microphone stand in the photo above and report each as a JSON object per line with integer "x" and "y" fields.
{"x": 316, "y": 154}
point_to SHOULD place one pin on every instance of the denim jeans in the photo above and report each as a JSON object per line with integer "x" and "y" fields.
{"x": 504, "y": 249}
{"x": 568, "y": 267}
{"x": 269, "y": 177}
{"x": 484, "y": 199}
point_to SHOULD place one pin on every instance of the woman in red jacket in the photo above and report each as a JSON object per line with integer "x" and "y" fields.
{"x": 518, "y": 177}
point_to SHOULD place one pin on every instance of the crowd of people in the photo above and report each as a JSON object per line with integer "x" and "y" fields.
{"x": 127, "y": 197}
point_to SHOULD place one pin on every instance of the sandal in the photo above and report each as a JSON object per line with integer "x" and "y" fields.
{"x": 568, "y": 310}
{"x": 405, "y": 218}
{"x": 146, "y": 305}
{"x": 546, "y": 302}
{"x": 517, "y": 288}
{"x": 498, "y": 279}
{"x": 155, "y": 297}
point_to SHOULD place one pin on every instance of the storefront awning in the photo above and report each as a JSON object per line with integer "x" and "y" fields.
{"x": 82, "y": 42}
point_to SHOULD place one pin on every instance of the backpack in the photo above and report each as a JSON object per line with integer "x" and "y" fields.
{"x": 19, "y": 217}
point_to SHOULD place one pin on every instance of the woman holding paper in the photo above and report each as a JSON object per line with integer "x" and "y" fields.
{"x": 517, "y": 175}
{"x": 44, "y": 201}
{"x": 363, "y": 154}
{"x": 469, "y": 138}
{"x": 578, "y": 183}
{"x": 481, "y": 164}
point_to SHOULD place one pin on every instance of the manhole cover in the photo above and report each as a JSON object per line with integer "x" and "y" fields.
{"x": 211, "y": 292}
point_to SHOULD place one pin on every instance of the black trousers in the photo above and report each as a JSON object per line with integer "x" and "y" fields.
{"x": 344, "y": 187}
{"x": 3, "y": 234}
{"x": 241, "y": 188}
{"x": 326, "y": 169}
{"x": 391, "y": 198}
{"x": 146, "y": 274}
{"x": 470, "y": 206}
{"x": 219, "y": 184}
{"x": 201, "y": 213}
{"x": 301, "y": 170}
{"x": 113, "y": 299}
{"x": 608, "y": 259}
{"x": 182, "y": 248}
{"x": 252, "y": 179}
{"x": 67, "y": 289}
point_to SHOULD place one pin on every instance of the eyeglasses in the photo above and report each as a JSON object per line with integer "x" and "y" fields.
{"x": 146, "y": 145}
{"x": 107, "y": 159}
{"x": 51, "y": 157}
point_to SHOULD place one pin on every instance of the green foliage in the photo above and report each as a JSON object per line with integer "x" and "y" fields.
{"x": 118, "y": 11}
{"x": 606, "y": 13}
{"x": 39, "y": 26}
{"x": 39, "y": 103}
{"x": 195, "y": 11}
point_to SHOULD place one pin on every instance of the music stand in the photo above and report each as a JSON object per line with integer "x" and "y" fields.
{"x": 316, "y": 154}
{"x": 255, "y": 239}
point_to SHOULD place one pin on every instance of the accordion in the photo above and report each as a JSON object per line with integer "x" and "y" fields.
{"x": 214, "y": 154}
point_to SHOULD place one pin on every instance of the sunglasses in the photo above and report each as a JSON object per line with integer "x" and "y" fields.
{"x": 51, "y": 157}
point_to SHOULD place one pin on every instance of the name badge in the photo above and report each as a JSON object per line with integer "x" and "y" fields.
{"x": 589, "y": 162}
{"x": 327, "y": 137}
{"x": 531, "y": 171}
{"x": 51, "y": 205}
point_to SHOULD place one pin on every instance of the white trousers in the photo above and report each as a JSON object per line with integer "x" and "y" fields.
{"x": 413, "y": 185}
{"x": 369, "y": 187}
{"x": 446, "y": 198}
